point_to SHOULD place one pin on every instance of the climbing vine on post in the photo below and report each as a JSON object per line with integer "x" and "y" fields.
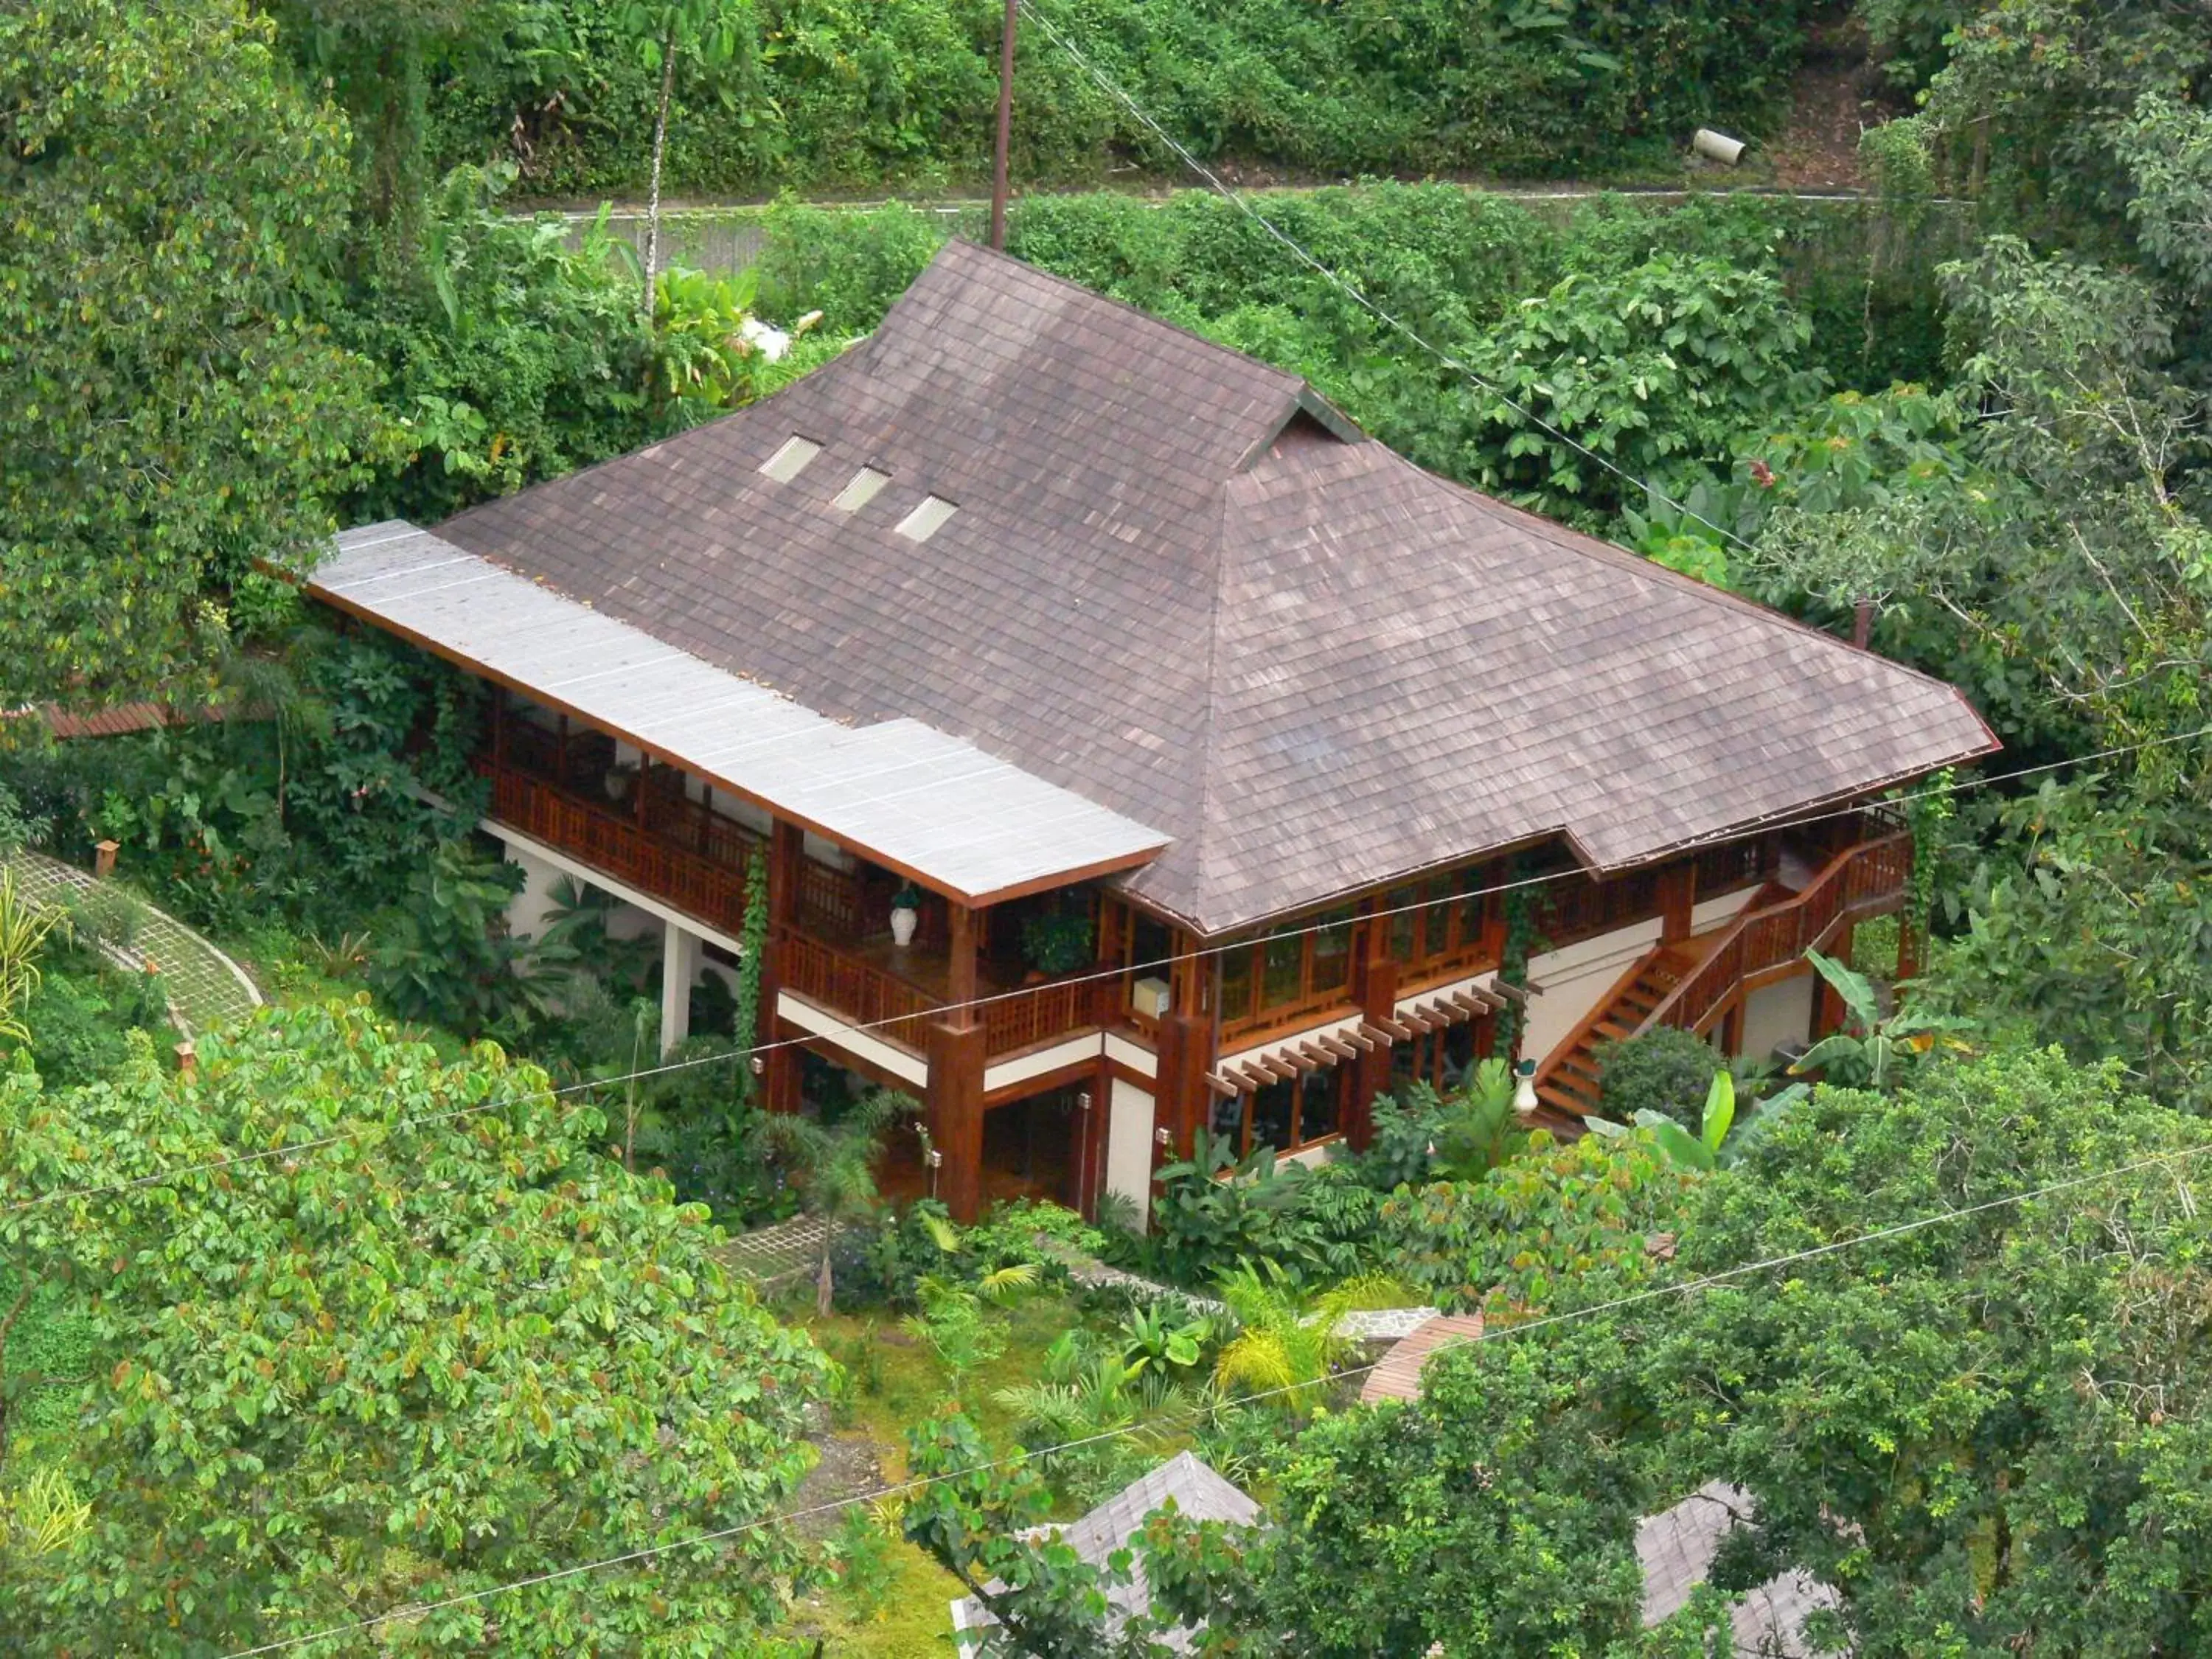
{"x": 1926, "y": 811}
{"x": 753, "y": 935}
{"x": 1521, "y": 942}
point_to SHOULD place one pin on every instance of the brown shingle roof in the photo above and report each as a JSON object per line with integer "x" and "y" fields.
{"x": 1174, "y": 586}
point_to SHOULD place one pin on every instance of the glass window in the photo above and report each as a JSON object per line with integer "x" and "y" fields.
{"x": 1318, "y": 1093}
{"x": 1236, "y": 983}
{"x": 1405, "y": 922}
{"x": 1436, "y": 921}
{"x": 1331, "y": 952}
{"x": 1283, "y": 970}
{"x": 1271, "y": 1114}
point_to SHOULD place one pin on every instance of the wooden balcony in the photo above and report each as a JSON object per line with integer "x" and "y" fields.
{"x": 899, "y": 993}
{"x": 694, "y": 860}
{"x": 710, "y": 884}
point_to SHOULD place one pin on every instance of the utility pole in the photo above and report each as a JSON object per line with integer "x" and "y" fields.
{"x": 1006, "y": 128}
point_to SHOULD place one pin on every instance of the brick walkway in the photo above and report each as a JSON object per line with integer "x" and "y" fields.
{"x": 206, "y": 988}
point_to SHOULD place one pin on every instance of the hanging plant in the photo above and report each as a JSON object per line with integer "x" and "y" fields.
{"x": 1057, "y": 941}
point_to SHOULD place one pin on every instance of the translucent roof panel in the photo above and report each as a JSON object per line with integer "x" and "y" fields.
{"x": 926, "y": 804}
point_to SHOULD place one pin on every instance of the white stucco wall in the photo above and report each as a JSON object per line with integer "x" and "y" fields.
{"x": 1130, "y": 1145}
{"x": 1576, "y": 977}
{"x": 1776, "y": 1013}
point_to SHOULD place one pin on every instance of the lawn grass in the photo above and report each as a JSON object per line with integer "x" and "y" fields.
{"x": 897, "y": 1382}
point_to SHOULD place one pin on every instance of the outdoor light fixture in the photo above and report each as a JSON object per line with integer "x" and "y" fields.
{"x": 1162, "y": 1137}
{"x": 759, "y": 1063}
{"x": 1082, "y": 1101}
{"x": 934, "y": 1158}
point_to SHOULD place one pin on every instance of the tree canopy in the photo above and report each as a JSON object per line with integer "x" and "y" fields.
{"x": 171, "y": 408}
{"x": 444, "y": 1345}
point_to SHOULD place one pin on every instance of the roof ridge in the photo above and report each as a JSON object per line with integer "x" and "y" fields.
{"x": 1000, "y": 256}
{"x": 1568, "y": 539}
{"x": 1216, "y": 547}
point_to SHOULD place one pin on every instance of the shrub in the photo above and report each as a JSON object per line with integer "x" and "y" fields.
{"x": 1664, "y": 1071}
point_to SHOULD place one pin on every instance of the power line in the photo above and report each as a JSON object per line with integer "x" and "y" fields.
{"x": 1520, "y": 1328}
{"x": 666, "y": 1067}
{"x": 1238, "y": 199}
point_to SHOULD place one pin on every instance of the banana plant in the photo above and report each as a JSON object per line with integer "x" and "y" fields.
{"x": 1710, "y": 1149}
{"x": 1872, "y": 1051}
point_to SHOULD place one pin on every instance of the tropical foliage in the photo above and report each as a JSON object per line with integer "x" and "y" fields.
{"x": 325, "y": 1383}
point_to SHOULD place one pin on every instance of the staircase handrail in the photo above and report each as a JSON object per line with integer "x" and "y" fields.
{"x": 1850, "y": 885}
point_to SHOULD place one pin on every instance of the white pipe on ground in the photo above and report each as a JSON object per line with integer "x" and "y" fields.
{"x": 1717, "y": 147}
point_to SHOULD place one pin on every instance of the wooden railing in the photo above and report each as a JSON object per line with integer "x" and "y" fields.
{"x": 1569, "y": 910}
{"x": 857, "y": 992}
{"x": 1040, "y": 1014}
{"x": 709, "y": 888}
{"x": 1860, "y": 881}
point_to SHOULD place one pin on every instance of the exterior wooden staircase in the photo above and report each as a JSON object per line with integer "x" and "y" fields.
{"x": 1568, "y": 1081}
{"x": 1692, "y": 984}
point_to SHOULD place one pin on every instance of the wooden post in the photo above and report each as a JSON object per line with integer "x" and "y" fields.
{"x": 1181, "y": 1098}
{"x": 779, "y": 867}
{"x": 1829, "y": 1011}
{"x": 103, "y": 858}
{"x": 498, "y": 728}
{"x": 1006, "y": 128}
{"x": 1678, "y": 897}
{"x": 955, "y": 1115}
{"x": 960, "y": 977}
{"x": 1375, "y": 986}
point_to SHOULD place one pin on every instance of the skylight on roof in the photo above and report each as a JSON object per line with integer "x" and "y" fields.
{"x": 790, "y": 458}
{"x": 862, "y": 491}
{"x": 926, "y": 520}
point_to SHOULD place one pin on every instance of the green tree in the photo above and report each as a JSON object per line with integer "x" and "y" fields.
{"x": 442, "y": 1347}
{"x": 171, "y": 412}
{"x": 835, "y": 1163}
{"x": 702, "y": 36}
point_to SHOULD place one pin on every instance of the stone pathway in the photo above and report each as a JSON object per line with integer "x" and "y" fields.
{"x": 1366, "y": 1325}
{"x": 206, "y": 988}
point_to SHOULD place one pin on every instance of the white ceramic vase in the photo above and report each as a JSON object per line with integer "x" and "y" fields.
{"x": 902, "y": 923}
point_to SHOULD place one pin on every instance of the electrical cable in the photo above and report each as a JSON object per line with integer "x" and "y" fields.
{"x": 1502, "y": 1333}
{"x": 727, "y": 1056}
{"x": 1237, "y": 199}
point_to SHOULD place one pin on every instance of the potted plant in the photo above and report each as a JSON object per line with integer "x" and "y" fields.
{"x": 1057, "y": 941}
{"x": 906, "y": 912}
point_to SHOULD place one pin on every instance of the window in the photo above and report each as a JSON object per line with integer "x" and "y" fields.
{"x": 790, "y": 458}
{"x": 862, "y": 491}
{"x": 1308, "y": 965}
{"x": 1288, "y": 1114}
{"x": 1440, "y": 917}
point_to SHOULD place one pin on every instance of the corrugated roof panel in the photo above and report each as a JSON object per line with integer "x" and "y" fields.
{"x": 901, "y": 792}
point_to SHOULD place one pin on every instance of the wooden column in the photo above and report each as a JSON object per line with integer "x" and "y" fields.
{"x": 1180, "y": 1097}
{"x": 962, "y": 933}
{"x": 1374, "y": 987}
{"x": 955, "y": 1115}
{"x": 778, "y": 864}
{"x": 1677, "y": 897}
{"x": 1829, "y": 1013}
{"x": 498, "y": 728}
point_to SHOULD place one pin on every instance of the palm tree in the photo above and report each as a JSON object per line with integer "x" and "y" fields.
{"x": 1287, "y": 1341}
{"x": 836, "y": 1166}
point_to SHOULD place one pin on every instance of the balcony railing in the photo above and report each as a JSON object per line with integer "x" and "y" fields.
{"x": 682, "y": 852}
{"x": 711, "y": 889}
{"x": 1861, "y": 881}
{"x": 901, "y": 1010}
